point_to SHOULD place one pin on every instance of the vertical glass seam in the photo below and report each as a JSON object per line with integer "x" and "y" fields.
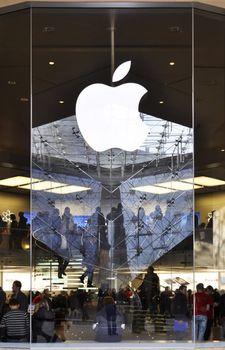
{"x": 193, "y": 110}
{"x": 31, "y": 206}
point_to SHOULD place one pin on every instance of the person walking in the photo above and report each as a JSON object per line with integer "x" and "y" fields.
{"x": 202, "y": 305}
{"x": 180, "y": 312}
{"x": 149, "y": 289}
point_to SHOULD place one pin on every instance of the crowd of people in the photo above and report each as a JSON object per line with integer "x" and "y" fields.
{"x": 193, "y": 315}
{"x": 18, "y": 230}
{"x": 100, "y": 234}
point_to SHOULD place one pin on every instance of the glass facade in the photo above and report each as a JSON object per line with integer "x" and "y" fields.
{"x": 119, "y": 102}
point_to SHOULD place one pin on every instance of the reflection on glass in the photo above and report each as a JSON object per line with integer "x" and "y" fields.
{"x": 114, "y": 200}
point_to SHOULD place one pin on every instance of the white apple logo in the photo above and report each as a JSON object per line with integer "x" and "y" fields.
{"x": 108, "y": 117}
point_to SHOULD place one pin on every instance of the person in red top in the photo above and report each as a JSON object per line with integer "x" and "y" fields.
{"x": 210, "y": 313}
{"x": 37, "y": 298}
{"x": 202, "y": 306}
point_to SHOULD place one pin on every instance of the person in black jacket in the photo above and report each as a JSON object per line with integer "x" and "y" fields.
{"x": 14, "y": 240}
{"x": 19, "y": 295}
{"x": 22, "y": 228}
{"x": 149, "y": 290}
{"x": 222, "y": 314}
{"x": 2, "y": 302}
{"x": 180, "y": 312}
{"x": 43, "y": 323}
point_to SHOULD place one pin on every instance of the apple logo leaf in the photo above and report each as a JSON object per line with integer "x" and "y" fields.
{"x": 121, "y": 71}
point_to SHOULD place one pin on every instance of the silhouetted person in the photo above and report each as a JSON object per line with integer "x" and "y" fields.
{"x": 110, "y": 309}
{"x": 82, "y": 297}
{"x": 209, "y": 230}
{"x": 2, "y": 301}
{"x": 149, "y": 290}
{"x": 47, "y": 297}
{"x": 180, "y": 312}
{"x": 3, "y": 226}
{"x": 22, "y": 228}
{"x": 103, "y": 246}
{"x": 14, "y": 238}
{"x": 90, "y": 239}
{"x": 67, "y": 229}
{"x": 209, "y": 324}
{"x": 20, "y": 296}
{"x": 120, "y": 250}
{"x": 222, "y": 314}
{"x": 43, "y": 323}
{"x": 201, "y": 232}
{"x": 62, "y": 265}
{"x": 165, "y": 302}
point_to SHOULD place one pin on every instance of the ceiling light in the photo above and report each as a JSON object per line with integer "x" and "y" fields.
{"x": 43, "y": 185}
{"x": 68, "y": 189}
{"x": 51, "y": 63}
{"x": 178, "y": 185}
{"x": 17, "y": 181}
{"x": 205, "y": 181}
{"x": 24, "y": 99}
{"x": 161, "y": 102}
{"x": 47, "y": 29}
{"x": 152, "y": 189}
{"x": 61, "y": 102}
{"x": 222, "y": 150}
{"x": 172, "y": 63}
{"x": 11, "y": 82}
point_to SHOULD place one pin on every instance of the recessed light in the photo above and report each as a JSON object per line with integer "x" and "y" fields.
{"x": 61, "y": 102}
{"x": 47, "y": 29}
{"x": 161, "y": 102}
{"x": 172, "y": 63}
{"x": 11, "y": 82}
{"x": 68, "y": 189}
{"x": 51, "y": 63}
{"x": 17, "y": 181}
{"x": 178, "y": 185}
{"x": 175, "y": 29}
{"x": 43, "y": 185}
{"x": 24, "y": 99}
{"x": 222, "y": 150}
{"x": 205, "y": 181}
{"x": 152, "y": 189}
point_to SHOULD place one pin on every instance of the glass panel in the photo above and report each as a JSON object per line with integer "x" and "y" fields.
{"x": 209, "y": 161}
{"x": 15, "y": 167}
{"x": 112, "y": 191}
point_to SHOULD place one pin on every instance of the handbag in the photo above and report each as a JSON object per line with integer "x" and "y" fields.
{"x": 180, "y": 326}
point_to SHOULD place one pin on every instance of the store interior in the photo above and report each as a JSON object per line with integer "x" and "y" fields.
{"x": 154, "y": 182}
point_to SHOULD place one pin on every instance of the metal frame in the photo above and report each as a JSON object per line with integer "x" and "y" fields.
{"x": 28, "y": 5}
{"x": 113, "y": 5}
